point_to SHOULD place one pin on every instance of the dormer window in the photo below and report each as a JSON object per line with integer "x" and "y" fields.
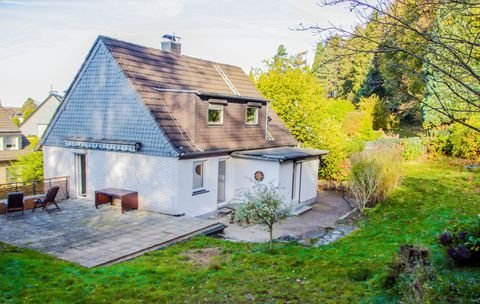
{"x": 251, "y": 116}
{"x": 215, "y": 114}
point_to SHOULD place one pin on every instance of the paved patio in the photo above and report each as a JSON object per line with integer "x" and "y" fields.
{"x": 326, "y": 211}
{"x": 81, "y": 234}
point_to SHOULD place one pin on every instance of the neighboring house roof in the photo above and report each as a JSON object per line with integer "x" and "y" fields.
{"x": 8, "y": 155}
{"x": 6, "y": 124}
{"x": 152, "y": 71}
{"x": 55, "y": 95}
{"x": 14, "y": 111}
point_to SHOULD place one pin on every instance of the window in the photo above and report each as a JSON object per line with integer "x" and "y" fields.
{"x": 215, "y": 114}
{"x": 11, "y": 143}
{"x": 197, "y": 175}
{"x": 252, "y": 115}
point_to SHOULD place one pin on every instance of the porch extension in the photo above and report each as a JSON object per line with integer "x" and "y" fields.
{"x": 81, "y": 234}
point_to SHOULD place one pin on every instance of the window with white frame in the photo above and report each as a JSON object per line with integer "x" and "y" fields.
{"x": 198, "y": 171}
{"x": 251, "y": 116}
{"x": 215, "y": 114}
{"x": 10, "y": 142}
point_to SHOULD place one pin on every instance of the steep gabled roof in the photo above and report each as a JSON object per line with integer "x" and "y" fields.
{"x": 152, "y": 71}
{"x": 155, "y": 75}
{"x": 150, "y": 68}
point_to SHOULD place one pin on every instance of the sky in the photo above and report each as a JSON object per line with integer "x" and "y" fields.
{"x": 44, "y": 42}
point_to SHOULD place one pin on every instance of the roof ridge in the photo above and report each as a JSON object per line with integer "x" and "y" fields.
{"x": 102, "y": 37}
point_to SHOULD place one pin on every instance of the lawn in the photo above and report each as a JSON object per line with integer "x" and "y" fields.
{"x": 207, "y": 270}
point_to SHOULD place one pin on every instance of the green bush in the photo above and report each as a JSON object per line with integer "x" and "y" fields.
{"x": 375, "y": 173}
{"x": 465, "y": 142}
{"x": 455, "y": 140}
{"x": 412, "y": 148}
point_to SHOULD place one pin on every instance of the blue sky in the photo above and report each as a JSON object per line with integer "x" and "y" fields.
{"x": 44, "y": 42}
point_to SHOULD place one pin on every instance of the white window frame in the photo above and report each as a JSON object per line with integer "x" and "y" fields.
{"x": 11, "y": 140}
{"x": 256, "y": 115}
{"x": 216, "y": 107}
{"x": 194, "y": 166}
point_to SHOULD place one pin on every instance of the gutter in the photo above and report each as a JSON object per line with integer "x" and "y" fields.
{"x": 212, "y": 94}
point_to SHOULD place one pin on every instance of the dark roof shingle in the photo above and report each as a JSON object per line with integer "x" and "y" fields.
{"x": 152, "y": 70}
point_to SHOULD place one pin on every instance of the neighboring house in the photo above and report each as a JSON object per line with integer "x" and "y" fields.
{"x": 15, "y": 112}
{"x": 187, "y": 134}
{"x": 37, "y": 122}
{"x": 12, "y": 144}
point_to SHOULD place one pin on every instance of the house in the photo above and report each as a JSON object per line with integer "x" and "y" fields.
{"x": 12, "y": 144}
{"x": 15, "y": 112}
{"x": 37, "y": 122}
{"x": 187, "y": 134}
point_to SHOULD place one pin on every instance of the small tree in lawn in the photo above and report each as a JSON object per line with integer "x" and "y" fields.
{"x": 263, "y": 205}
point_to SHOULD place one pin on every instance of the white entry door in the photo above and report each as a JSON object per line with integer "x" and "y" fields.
{"x": 296, "y": 182}
{"x": 222, "y": 175}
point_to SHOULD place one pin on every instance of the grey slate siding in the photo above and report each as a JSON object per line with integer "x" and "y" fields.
{"x": 104, "y": 105}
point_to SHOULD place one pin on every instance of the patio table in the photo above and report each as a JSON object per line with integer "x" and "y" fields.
{"x": 128, "y": 199}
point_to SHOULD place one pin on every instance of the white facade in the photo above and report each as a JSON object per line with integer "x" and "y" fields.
{"x": 153, "y": 177}
{"x": 37, "y": 123}
{"x": 165, "y": 184}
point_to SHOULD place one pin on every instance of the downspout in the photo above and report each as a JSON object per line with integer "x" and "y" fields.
{"x": 266, "y": 120}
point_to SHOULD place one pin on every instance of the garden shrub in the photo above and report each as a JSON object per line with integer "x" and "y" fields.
{"x": 375, "y": 173}
{"x": 412, "y": 148}
{"x": 465, "y": 142}
{"x": 462, "y": 240}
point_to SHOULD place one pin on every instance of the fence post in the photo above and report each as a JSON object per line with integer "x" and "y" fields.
{"x": 16, "y": 187}
{"x": 34, "y": 184}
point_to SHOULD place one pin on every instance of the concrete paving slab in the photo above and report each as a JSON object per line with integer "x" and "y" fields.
{"x": 327, "y": 209}
{"x": 91, "y": 237}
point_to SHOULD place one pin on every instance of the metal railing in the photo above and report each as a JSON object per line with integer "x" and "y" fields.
{"x": 37, "y": 187}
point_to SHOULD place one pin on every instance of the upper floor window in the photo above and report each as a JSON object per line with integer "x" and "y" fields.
{"x": 215, "y": 114}
{"x": 10, "y": 142}
{"x": 251, "y": 117}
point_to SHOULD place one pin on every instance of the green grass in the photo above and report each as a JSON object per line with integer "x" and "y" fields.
{"x": 351, "y": 270}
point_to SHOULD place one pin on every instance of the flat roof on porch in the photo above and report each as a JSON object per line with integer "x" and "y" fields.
{"x": 279, "y": 154}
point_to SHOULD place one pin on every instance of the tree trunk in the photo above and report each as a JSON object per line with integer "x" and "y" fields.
{"x": 270, "y": 230}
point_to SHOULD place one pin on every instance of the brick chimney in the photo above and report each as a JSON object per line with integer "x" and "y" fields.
{"x": 171, "y": 43}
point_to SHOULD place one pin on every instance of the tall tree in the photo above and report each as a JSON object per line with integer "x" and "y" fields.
{"x": 28, "y": 107}
{"x": 405, "y": 33}
{"x": 442, "y": 92}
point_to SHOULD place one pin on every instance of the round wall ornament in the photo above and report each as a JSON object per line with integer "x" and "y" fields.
{"x": 259, "y": 176}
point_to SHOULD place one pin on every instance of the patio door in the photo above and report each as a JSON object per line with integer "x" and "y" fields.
{"x": 81, "y": 174}
{"x": 222, "y": 173}
{"x": 296, "y": 182}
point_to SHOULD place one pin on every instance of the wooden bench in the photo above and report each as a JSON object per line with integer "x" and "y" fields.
{"x": 128, "y": 199}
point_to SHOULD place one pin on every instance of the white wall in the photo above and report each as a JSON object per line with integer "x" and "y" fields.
{"x": 41, "y": 116}
{"x": 202, "y": 203}
{"x": 58, "y": 162}
{"x": 165, "y": 184}
{"x": 309, "y": 179}
{"x": 308, "y": 189}
{"x": 285, "y": 180}
{"x": 154, "y": 177}
{"x": 243, "y": 173}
